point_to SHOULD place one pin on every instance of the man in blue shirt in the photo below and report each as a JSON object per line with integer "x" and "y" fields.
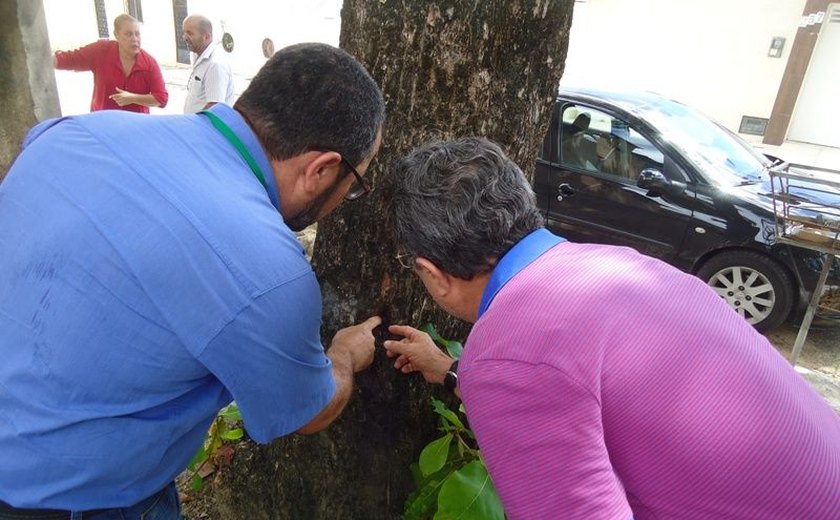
{"x": 150, "y": 274}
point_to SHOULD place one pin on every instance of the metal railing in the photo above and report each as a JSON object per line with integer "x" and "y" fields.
{"x": 808, "y": 216}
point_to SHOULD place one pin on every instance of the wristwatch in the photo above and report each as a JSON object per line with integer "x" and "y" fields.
{"x": 450, "y": 380}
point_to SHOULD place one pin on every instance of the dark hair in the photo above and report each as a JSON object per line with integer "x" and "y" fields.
{"x": 312, "y": 96}
{"x": 462, "y": 204}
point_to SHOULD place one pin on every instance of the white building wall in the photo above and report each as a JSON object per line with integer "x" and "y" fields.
{"x": 711, "y": 55}
{"x": 158, "y": 31}
{"x": 284, "y": 22}
{"x": 71, "y": 23}
{"x": 113, "y": 8}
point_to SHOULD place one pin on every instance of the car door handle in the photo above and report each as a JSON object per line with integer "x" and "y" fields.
{"x": 564, "y": 190}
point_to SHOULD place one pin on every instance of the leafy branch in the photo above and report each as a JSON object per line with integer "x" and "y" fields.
{"x": 225, "y": 427}
{"x": 451, "y": 477}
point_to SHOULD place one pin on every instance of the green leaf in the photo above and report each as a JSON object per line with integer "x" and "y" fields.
{"x": 417, "y": 475}
{"x": 421, "y": 505}
{"x": 454, "y": 348}
{"x": 432, "y": 332}
{"x": 450, "y": 416}
{"x": 215, "y": 443}
{"x": 197, "y": 483}
{"x": 447, "y": 414}
{"x": 233, "y": 435}
{"x": 434, "y": 455}
{"x": 231, "y": 413}
{"x": 469, "y": 494}
{"x": 198, "y": 458}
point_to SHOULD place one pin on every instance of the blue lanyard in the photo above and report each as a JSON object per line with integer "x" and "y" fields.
{"x": 520, "y": 256}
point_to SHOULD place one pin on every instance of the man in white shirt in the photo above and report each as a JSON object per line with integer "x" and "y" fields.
{"x": 210, "y": 80}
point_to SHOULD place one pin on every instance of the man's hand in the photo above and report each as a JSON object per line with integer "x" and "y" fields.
{"x": 418, "y": 352}
{"x": 122, "y": 97}
{"x": 357, "y": 342}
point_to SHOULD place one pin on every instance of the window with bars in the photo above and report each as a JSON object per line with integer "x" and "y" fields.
{"x": 134, "y": 8}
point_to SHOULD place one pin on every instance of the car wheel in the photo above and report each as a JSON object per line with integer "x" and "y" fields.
{"x": 757, "y": 287}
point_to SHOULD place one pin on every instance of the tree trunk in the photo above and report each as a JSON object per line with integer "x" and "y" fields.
{"x": 28, "y": 92}
{"x": 447, "y": 69}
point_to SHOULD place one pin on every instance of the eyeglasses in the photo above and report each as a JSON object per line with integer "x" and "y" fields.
{"x": 406, "y": 260}
{"x": 360, "y": 186}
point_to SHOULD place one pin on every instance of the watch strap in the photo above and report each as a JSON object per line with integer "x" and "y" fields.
{"x": 450, "y": 380}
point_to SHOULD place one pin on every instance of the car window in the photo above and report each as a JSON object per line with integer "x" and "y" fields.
{"x": 714, "y": 150}
{"x": 595, "y": 141}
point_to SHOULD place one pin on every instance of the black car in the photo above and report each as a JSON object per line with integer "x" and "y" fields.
{"x": 640, "y": 170}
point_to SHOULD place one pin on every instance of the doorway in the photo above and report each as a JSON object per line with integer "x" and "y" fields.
{"x": 817, "y": 112}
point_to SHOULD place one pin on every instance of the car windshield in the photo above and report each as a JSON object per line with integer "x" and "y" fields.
{"x": 716, "y": 151}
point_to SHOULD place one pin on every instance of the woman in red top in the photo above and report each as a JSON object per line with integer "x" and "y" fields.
{"x": 125, "y": 77}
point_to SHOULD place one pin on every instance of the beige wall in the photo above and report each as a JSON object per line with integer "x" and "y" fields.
{"x": 711, "y": 55}
{"x": 158, "y": 30}
{"x": 72, "y": 23}
{"x": 285, "y": 22}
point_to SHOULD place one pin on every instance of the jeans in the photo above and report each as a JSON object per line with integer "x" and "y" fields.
{"x": 163, "y": 505}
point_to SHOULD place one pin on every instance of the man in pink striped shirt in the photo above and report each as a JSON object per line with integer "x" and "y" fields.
{"x": 592, "y": 393}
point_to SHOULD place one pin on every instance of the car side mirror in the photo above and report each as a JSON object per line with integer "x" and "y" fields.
{"x": 656, "y": 183}
{"x": 773, "y": 158}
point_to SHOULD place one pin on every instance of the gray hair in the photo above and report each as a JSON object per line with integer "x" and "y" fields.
{"x": 462, "y": 205}
{"x": 205, "y": 26}
{"x": 122, "y": 19}
{"x": 312, "y": 96}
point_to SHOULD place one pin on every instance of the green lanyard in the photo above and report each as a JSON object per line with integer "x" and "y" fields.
{"x": 237, "y": 143}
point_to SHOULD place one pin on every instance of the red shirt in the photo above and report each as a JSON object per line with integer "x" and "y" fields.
{"x": 103, "y": 59}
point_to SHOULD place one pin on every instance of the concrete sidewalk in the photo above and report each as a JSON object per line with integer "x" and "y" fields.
{"x": 825, "y": 385}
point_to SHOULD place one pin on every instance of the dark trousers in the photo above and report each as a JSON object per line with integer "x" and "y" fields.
{"x": 163, "y": 505}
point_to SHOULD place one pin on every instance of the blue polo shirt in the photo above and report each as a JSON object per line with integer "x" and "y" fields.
{"x": 146, "y": 279}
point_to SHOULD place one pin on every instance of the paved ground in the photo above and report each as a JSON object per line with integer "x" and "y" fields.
{"x": 828, "y": 387}
{"x": 819, "y": 361}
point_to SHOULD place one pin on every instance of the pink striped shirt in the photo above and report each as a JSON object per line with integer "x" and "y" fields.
{"x": 604, "y": 384}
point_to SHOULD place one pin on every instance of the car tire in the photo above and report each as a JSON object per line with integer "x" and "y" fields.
{"x": 754, "y": 285}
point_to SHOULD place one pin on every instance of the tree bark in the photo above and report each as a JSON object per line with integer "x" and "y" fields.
{"x": 28, "y": 92}
{"x": 447, "y": 69}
